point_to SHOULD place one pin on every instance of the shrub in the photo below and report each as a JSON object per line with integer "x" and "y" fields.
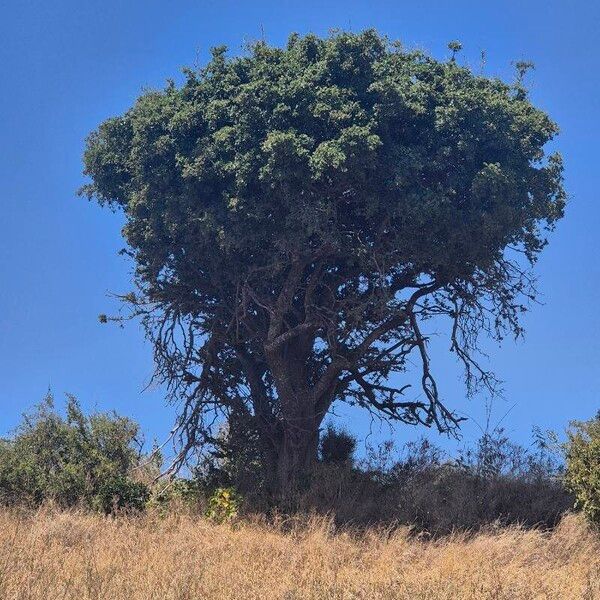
{"x": 120, "y": 493}
{"x": 179, "y": 494}
{"x": 72, "y": 460}
{"x": 233, "y": 461}
{"x": 583, "y": 466}
{"x": 223, "y": 505}
{"x": 494, "y": 481}
{"x": 337, "y": 446}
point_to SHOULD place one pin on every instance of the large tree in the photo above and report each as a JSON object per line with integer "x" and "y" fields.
{"x": 295, "y": 214}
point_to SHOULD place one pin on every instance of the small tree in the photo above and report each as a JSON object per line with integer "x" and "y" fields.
{"x": 583, "y": 466}
{"x": 297, "y": 215}
{"x": 72, "y": 460}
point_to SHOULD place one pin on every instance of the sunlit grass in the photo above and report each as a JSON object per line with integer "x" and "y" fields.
{"x": 50, "y": 555}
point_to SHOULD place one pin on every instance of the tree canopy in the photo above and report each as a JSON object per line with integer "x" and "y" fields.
{"x": 295, "y": 214}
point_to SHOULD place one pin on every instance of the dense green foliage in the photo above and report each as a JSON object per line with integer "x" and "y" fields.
{"x": 583, "y": 466}
{"x": 296, "y": 215}
{"x": 336, "y": 446}
{"x": 223, "y": 505}
{"x": 76, "y": 460}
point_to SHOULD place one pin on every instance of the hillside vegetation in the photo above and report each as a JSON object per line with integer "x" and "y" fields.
{"x": 82, "y": 516}
{"x": 49, "y": 555}
{"x": 96, "y": 462}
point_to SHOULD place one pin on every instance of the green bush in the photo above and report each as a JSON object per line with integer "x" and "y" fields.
{"x": 234, "y": 461}
{"x": 583, "y": 466}
{"x": 75, "y": 460}
{"x": 223, "y": 505}
{"x": 178, "y": 494}
{"x": 337, "y": 446}
{"x": 120, "y": 493}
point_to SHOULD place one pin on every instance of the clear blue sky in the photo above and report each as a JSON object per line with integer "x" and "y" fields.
{"x": 65, "y": 66}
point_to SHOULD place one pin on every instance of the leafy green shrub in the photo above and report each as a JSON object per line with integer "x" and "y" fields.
{"x": 234, "y": 460}
{"x": 337, "y": 446}
{"x": 179, "y": 493}
{"x": 223, "y": 505}
{"x": 121, "y": 493}
{"x": 583, "y": 466}
{"x": 75, "y": 460}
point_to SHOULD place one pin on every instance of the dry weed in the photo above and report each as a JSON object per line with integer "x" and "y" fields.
{"x": 51, "y": 555}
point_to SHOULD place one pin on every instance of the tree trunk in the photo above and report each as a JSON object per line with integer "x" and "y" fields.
{"x": 296, "y": 459}
{"x": 298, "y": 428}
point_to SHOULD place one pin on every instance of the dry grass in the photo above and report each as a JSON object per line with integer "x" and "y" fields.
{"x": 50, "y": 555}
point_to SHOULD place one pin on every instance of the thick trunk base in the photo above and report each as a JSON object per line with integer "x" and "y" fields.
{"x": 296, "y": 458}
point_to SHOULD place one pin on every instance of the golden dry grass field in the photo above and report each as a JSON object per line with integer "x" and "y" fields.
{"x": 50, "y": 555}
